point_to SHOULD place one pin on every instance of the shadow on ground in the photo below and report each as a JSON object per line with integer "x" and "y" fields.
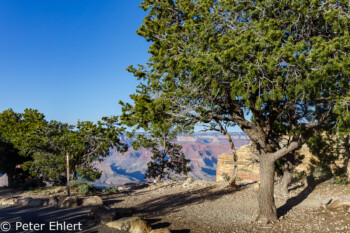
{"x": 57, "y": 217}
{"x": 294, "y": 201}
{"x": 173, "y": 202}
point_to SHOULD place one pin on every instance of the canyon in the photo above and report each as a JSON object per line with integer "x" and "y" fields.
{"x": 202, "y": 149}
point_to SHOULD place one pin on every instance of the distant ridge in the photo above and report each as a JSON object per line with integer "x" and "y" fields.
{"x": 201, "y": 148}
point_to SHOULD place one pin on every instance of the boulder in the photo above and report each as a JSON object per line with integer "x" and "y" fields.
{"x": 51, "y": 201}
{"x": 8, "y": 201}
{"x": 96, "y": 209}
{"x": 105, "y": 216}
{"x": 69, "y": 202}
{"x": 30, "y": 202}
{"x": 123, "y": 224}
{"x": 161, "y": 230}
{"x": 92, "y": 201}
{"x": 140, "y": 227}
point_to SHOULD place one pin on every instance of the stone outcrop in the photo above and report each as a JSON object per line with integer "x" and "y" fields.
{"x": 69, "y": 202}
{"x": 51, "y": 201}
{"x": 30, "y": 202}
{"x": 140, "y": 227}
{"x": 92, "y": 201}
{"x": 8, "y": 201}
{"x": 248, "y": 168}
{"x": 248, "y": 165}
{"x": 123, "y": 224}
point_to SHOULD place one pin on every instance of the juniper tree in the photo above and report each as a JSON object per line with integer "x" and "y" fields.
{"x": 42, "y": 145}
{"x": 86, "y": 143}
{"x": 15, "y": 129}
{"x": 9, "y": 159}
{"x": 284, "y": 62}
{"x": 167, "y": 161}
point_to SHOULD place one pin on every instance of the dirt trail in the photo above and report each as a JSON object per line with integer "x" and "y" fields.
{"x": 207, "y": 207}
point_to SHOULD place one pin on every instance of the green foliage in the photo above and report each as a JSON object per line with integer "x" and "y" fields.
{"x": 150, "y": 114}
{"x": 300, "y": 175}
{"x": 329, "y": 147}
{"x": 294, "y": 159}
{"x": 221, "y": 59}
{"x": 42, "y": 146}
{"x": 227, "y": 177}
{"x": 15, "y": 129}
{"x": 168, "y": 162}
{"x": 284, "y": 62}
{"x": 82, "y": 185}
{"x": 340, "y": 180}
{"x": 110, "y": 190}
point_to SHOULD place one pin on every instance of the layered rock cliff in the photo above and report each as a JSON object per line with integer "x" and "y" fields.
{"x": 202, "y": 149}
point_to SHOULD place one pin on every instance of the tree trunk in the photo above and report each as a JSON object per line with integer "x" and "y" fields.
{"x": 287, "y": 177}
{"x": 10, "y": 180}
{"x": 232, "y": 182}
{"x": 347, "y": 158}
{"x": 158, "y": 178}
{"x": 267, "y": 207}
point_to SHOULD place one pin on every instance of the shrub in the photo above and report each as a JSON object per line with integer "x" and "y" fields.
{"x": 300, "y": 175}
{"x": 82, "y": 185}
{"x": 109, "y": 190}
{"x": 227, "y": 178}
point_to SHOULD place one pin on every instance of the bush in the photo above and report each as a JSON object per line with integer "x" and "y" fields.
{"x": 109, "y": 190}
{"x": 227, "y": 178}
{"x": 300, "y": 175}
{"x": 321, "y": 172}
{"x": 82, "y": 186}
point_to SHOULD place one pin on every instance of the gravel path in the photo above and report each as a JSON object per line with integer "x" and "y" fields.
{"x": 210, "y": 207}
{"x": 205, "y": 207}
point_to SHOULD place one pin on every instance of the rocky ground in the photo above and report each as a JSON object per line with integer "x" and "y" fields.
{"x": 211, "y": 207}
{"x": 203, "y": 206}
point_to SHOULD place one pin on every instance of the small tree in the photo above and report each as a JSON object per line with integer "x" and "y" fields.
{"x": 42, "y": 145}
{"x": 151, "y": 116}
{"x": 167, "y": 160}
{"x": 86, "y": 143}
{"x": 15, "y": 130}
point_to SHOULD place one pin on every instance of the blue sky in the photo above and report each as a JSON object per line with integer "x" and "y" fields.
{"x": 68, "y": 58}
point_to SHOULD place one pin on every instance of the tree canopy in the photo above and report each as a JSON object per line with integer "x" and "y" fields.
{"x": 41, "y": 146}
{"x": 285, "y": 63}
